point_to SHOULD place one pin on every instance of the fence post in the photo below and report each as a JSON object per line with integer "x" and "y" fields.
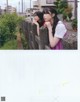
{"x": 44, "y": 38}
{"x": 34, "y": 30}
{"x": 30, "y": 35}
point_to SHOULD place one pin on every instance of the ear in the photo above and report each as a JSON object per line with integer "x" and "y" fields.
{"x": 53, "y": 15}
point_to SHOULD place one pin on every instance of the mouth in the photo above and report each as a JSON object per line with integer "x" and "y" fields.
{"x": 45, "y": 19}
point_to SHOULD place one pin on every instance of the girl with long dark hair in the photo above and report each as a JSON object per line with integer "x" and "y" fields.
{"x": 38, "y": 20}
{"x": 56, "y": 28}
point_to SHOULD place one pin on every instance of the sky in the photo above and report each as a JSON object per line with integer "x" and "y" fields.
{"x": 15, "y": 3}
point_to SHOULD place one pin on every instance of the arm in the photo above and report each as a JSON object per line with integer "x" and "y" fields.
{"x": 53, "y": 40}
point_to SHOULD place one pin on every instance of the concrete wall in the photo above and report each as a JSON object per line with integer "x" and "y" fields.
{"x": 41, "y": 3}
{"x": 74, "y": 11}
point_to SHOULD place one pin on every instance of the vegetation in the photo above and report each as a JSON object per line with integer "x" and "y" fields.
{"x": 23, "y": 38}
{"x": 24, "y": 42}
{"x": 68, "y": 13}
{"x": 10, "y": 45}
{"x": 74, "y": 24}
{"x": 64, "y": 8}
{"x": 8, "y": 25}
{"x": 60, "y": 6}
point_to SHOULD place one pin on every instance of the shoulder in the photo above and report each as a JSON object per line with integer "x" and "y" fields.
{"x": 60, "y": 30}
{"x": 60, "y": 25}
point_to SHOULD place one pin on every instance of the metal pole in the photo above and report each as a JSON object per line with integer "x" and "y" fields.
{"x": 7, "y": 5}
{"x": 22, "y": 6}
{"x": 7, "y": 2}
{"x": 30, "y": 9}
{"x": 19, "y": 6}
{"x": 30, "y": 4}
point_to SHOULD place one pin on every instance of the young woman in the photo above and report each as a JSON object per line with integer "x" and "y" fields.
{"x": 38, "y": 20}
{"x": 56, "y": 28}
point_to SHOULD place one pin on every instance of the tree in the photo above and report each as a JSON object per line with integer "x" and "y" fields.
{"x": 60, "y": 5}
{"x": 8, "y": 25}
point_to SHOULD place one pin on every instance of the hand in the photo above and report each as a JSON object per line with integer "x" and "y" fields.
{"x": 48, "y": 25}
{"x": 35, "y": 22}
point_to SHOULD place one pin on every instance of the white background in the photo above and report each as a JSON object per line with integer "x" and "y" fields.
{"x": 41, "y": 76}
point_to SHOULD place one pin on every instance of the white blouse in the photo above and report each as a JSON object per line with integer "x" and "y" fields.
{"x": 60, "y": 30}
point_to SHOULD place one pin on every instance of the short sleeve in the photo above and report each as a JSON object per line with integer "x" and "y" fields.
{"x": 60, "y": 30}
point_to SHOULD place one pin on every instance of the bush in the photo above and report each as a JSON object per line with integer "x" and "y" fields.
{"x": 8, "y": 24}
{"x": 60, "y": 6}
{"x": 64, "y": 8}
{"x": 4, "y": 34}
{"x": 68, "y": 12}
{"x": 74, "y": 24}
{"x": 24, "y": 42}
{"x": 10, "y": 45}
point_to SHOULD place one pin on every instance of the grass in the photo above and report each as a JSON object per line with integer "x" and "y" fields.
{"x": 13, "y": 44}
{"x": 10, "y": 45}
{"x": 24, "y": 42}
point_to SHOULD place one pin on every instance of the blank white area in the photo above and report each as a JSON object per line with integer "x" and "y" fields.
{"x": 40, "y": 76}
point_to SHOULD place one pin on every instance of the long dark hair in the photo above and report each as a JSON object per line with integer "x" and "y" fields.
{"x": 55, "y": 18}
{"x": 40, "y": 15}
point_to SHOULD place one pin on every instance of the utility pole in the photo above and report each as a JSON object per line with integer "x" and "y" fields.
{"x": 22, "y": 6}
{"x": 19, "y": 6}
{"x": 30, "y": 4}
{"x": 30, "y": 9}
{"x": 7, "y": 2}
{"x": 7, "y": 5}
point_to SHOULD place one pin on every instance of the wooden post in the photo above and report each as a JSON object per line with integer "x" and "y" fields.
{"x": 34, "y": 30}
{"x": 29, "y": 33}
{"x": 44, "y": 41}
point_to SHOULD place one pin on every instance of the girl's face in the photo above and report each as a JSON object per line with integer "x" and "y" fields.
{"x": 36, "y": 18}
{"x": 47, "y": 17}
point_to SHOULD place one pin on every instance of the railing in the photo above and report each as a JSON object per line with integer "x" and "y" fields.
{"x": 42, "y": 42}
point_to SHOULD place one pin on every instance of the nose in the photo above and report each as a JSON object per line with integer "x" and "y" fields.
{"x": 45, "y": 18}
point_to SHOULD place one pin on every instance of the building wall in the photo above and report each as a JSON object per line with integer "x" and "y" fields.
{"x": 74, "y": 6}
{"x": 43, "y": 3}
{"x": 11, "y": 9}
{"x": 46, "y": 2}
